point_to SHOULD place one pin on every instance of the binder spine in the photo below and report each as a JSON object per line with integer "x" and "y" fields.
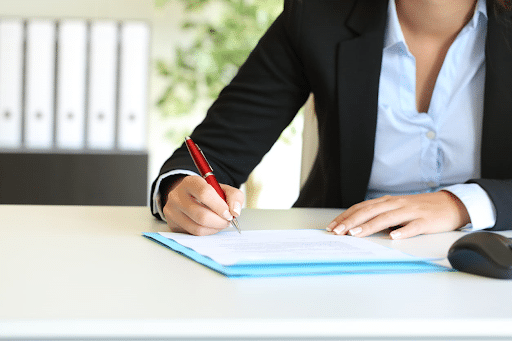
{"x": 134, "y": 46}
{"x": 39, "y": 86}
{"x": 71, "y": 80}
{"x": 11, "y": 82}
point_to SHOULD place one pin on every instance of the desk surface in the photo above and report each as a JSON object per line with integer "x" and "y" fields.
{"x": 68, "y": 271}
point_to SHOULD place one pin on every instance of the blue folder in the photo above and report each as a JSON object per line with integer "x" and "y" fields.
{"x": 299, "y": 268}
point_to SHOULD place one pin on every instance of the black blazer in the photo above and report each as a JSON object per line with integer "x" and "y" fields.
{"x": 333, "y": 49}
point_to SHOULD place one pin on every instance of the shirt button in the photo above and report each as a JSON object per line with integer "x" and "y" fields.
{"x": 431, "y": 135}
{"x": 432, "y": 184}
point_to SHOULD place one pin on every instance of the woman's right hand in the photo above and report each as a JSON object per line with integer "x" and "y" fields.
{"x": 193, "y": 206}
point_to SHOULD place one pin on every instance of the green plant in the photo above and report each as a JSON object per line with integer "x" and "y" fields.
{"x": 219, "y": 46}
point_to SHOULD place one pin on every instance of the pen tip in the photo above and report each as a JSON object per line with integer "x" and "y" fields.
{"x": 236, "y": 225}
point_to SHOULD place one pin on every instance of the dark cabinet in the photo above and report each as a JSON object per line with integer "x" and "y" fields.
{"x": 74, "y": 179}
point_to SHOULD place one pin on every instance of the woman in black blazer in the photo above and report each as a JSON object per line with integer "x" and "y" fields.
{"x": 334, "y": 50}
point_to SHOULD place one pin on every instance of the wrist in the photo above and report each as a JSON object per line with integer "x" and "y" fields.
{"x": 462, "y": 213}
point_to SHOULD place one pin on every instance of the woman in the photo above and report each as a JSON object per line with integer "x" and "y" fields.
{"x": 414, "y": 105}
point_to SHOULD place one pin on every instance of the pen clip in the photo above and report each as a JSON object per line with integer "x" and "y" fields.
{"x": 204, "y": 157}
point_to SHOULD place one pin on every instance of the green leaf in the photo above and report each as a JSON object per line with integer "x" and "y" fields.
{"x": 162, "y": 68}
{"x": 188, "y": 25}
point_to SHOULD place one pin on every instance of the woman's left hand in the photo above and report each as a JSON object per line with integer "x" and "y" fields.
{"x": 415, "y": 214}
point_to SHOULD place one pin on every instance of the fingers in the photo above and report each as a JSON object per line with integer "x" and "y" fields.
{"x": 178, "y": 221}
{"x": 235, "y": 199}
{"x": 416, "y": 214}
{"x": 412, "y": 229}
{"x": 360, "y": 219}
{"x": 365, "y": 205}
{"x": 193, "y": 206}
{"x": 387, "y": 219}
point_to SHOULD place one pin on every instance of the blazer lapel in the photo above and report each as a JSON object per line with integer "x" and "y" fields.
{"x": 359, "y": 66}
{"x": 497, "y": 121}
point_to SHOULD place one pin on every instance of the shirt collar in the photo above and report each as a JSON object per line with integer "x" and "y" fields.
{"x": 395, "y": 37}
{"x": 393, "y": 34}
{"x": 480, "y": 12}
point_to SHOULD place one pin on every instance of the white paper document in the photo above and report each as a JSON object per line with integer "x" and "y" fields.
{"x": 287, "y": 246}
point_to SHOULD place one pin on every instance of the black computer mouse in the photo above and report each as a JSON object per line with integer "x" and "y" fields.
{"x": 483, "y": 253}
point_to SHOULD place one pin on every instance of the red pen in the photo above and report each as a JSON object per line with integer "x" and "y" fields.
{"x": 206, "y": 171}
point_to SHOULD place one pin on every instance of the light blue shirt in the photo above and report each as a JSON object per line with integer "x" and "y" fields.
{"x": 440, "y": 149}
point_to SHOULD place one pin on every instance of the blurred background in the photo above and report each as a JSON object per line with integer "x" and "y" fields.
{"x": 168, "y": 61}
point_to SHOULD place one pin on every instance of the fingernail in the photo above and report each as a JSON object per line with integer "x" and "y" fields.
{"x": 395, "y": 234}
{"x": 227, "y": 215}
{"x": 339, "y": 229}
{"x": 331, "y": 226}
{"x": 237, "y": 208}
{"x": 355, "y": 231}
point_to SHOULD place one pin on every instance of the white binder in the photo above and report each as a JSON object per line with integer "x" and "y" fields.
{"x": 39, "y": 90}
{"x": 101, "y": 120}
{"x": 133, "y": 86}
{"x": 11, "y": 75}
{"x": 71, "y": 75}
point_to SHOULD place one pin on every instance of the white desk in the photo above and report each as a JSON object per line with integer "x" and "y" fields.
{"x": 86, "y": 272}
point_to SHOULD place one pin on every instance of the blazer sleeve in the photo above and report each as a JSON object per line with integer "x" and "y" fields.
{"x": 258, "y": 104}
{"x": 500, "y": 192}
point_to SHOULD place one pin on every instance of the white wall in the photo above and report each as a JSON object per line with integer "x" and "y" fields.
{"x": 280, "y": 186}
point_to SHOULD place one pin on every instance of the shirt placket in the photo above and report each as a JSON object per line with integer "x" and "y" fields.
{"x": 429, "y": 156}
